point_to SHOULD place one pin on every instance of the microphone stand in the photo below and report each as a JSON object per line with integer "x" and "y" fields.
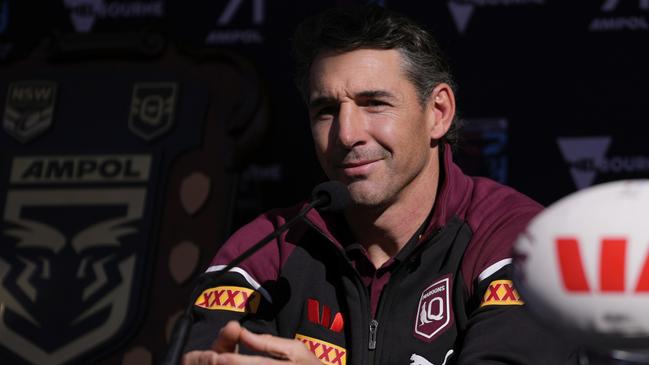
{"x": 183, "y": 324}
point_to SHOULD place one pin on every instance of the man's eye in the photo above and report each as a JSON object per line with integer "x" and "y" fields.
{"x": 375, "y": 103}
{"x": 327, "y": 110}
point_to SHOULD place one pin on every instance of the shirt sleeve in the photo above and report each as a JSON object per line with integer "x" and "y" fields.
{"x": 246, "y": 293}
{"x": 235, "y": 296}
{"x": 500, "y": 330}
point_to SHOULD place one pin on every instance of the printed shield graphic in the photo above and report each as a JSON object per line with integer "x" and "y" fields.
{"x": 68, "y": 271}
{"x": 434, "y": 313}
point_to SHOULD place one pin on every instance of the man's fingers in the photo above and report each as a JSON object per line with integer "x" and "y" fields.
{"x": 278, "y": 347}
{"x": 237, "y": 359}
{"x": 200, "y": 358}
{"x": 228, "y": 338}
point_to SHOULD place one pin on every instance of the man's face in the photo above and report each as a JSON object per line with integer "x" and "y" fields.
{"x": 369, "y": 128}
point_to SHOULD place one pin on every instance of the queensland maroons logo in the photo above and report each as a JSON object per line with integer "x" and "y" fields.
{"x": 434, "y": 312}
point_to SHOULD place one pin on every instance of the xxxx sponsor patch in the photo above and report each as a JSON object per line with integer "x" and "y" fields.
{"x": 501, "y": 292}
{"x": 326, "y": 352}
{"x": 230, "y": 298}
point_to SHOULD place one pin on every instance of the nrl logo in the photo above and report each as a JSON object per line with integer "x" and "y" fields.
{"x": 152, "y": 109}
{"x": 67, "y": 270}
{"x": 29, "y": 109}
{"x": 434, "y": 313}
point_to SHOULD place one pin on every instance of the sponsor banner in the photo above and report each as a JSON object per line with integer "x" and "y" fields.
{"x": 230, "y": 298}
{"x": 80, "y": 169}
{"x": 588, "y": 158}
{"x": 85, "y": 13}
{"x": 88, "y": 242}
{"x": 501, "y": 292}
{"x": 29, "y": 109}
{"x": 434, "y": 311}
{"x": 463, "y": 10}
{"x": 618, "y": 15}
{"x": 238, "y": 22}
{"x": 326, "y": 352}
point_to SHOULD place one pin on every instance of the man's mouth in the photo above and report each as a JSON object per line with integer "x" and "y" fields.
{"x": 356, "y": 168}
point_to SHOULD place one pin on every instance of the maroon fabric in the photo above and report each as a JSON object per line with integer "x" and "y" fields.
{"x": 495, "y": 214}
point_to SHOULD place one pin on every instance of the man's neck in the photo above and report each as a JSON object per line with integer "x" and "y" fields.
{"x": 384, "y": 231}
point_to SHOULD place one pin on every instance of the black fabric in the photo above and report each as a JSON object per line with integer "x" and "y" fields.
{"x": 489, "y": 339}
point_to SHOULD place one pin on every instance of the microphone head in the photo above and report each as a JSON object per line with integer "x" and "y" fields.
{"x": 331, "y": 196}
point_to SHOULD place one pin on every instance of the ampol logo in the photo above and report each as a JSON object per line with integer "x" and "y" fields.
{"x": 434, "y": 312}
{"x": 239, "y": 22}
{"x": 618, "y": 15}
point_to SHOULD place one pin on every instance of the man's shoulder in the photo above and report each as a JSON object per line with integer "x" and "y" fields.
{"x": 481, "y": 201}
{"x": 255, "y": 230}
{"x": 497, "y": 215}
{"x": 492, "y": 200}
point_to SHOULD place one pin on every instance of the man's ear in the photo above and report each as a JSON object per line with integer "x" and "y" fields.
{"x": 441, "y": 104}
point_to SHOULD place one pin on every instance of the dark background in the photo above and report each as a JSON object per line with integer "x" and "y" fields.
{"x": 542, "y": 84}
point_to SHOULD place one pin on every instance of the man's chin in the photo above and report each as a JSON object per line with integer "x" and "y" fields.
{"x": 363, "y": 195}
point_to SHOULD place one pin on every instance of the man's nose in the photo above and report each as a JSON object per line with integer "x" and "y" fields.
{"x": 351, "y": 125}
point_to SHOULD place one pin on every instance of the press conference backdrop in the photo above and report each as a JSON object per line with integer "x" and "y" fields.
{"x": 136, "y": 135}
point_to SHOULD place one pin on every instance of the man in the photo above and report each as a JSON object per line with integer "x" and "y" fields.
{"x": 417, "y": 270}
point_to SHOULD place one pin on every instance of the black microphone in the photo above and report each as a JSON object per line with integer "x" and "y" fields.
{"x": 329, "y": 196}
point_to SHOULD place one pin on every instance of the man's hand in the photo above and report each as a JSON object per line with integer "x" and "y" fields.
{"x": 282, "y": 351}
{"x": 225, "y": 342}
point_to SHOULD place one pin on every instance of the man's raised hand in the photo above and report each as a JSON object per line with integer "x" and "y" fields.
{"x": 281, "y": 351}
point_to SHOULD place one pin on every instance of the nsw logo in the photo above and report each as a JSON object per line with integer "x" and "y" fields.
{"x": 29, "y": 109}
{"x": 434, "y": 312}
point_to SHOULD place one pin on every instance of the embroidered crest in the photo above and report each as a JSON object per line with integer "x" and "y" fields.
{"x": 434, "y": 312}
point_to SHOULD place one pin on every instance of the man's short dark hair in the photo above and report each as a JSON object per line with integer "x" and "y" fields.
{"x": 373, "y": 27}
